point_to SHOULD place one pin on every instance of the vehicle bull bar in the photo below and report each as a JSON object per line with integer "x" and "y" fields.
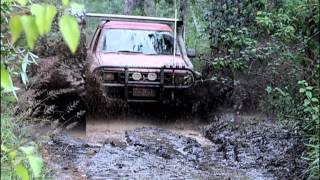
{"x": 161, "y": 84}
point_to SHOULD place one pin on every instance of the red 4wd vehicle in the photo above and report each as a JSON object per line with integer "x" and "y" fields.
{"x": 138, "y": 59}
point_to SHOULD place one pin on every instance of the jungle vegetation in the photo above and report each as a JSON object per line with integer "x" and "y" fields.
{"x": 268, "y": 49}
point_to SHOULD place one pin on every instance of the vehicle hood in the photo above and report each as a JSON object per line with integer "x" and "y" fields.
{"x": 138, "y": 60}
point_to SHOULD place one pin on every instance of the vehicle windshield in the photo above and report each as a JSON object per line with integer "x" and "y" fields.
{"x": 137, "y": 41}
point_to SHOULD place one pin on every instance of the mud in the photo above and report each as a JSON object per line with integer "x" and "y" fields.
{"x": 244, "y": 147}
{"x": 247, "y": 142}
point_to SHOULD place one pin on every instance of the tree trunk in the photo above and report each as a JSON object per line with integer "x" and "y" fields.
{"x": 146, "y": 7}
{"x": 183, "y": 8}
{"x": 129, "y": 6}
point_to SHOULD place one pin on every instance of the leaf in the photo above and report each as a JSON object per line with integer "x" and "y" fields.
{"x": 30, "y": 28}
{"x": 15, "y": 27}
{"x": 39, "y": 12}
{"x": 70, "y": 31}
{"x": 315, "y": 116}
{"x": 50, "y": 14}
{"x": 8, "y": 98}
{"x": 22, "y": 172}
{"x": 24, "y": 63}
{"x": 306, "y": 102}
{"x": 23, "y": 72}
{"x": 22, "y": 2}
{"x": 65, "y": 2}
{"x": 6, "y": 82}
{"x": 14, "y": 89}
{"x": 309, "y": 94}
{"x": 33, "y": 57}
{"x": 280, "y": 91}
{"x": 24, "y": 78}
{"x": 301, "y": 82}
{"x": 302, "y": 90}
{"x": 4, "y": 148}
{"x": 314, "y": 100}
{"x": 36, "y": 164}
{"x": 44, "y": 15}
{"x": 269, "y": 89}
{"x": 13, "y": 154}
{"x": 28, "y": 150}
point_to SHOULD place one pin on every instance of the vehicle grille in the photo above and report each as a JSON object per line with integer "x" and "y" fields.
{"x": 169, "y": 79}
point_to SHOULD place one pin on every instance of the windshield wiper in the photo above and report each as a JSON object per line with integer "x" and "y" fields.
{"x": 150, "y": 53}
{"x": 127, "y": 51}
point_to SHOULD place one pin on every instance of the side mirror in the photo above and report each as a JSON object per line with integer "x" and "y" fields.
{"x": 191, "y": 53}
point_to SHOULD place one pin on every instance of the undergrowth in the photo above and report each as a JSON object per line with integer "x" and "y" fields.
{"x": 19, "y": 155}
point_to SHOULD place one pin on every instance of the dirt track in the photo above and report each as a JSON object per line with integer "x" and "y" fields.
{"x": 247, "y": 147}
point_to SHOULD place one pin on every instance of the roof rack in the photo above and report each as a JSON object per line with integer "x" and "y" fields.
{"x": 133, "y": 18}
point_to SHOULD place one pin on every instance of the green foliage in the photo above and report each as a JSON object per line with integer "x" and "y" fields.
{"x": 278, "y": 42}
{"x": 65, "y": 2}
{"x": 30, "y": 28}
{"x": 241, "y": 48}
{"x": 282, "y": 104}
{"x": 98, "y": 6}
{"x": 70, "y": 31}
{"x": 22, "y": 2}
{"x": 6, "y": 81}
{"x": 44, "y": 15}
{"x": 21, "y": 159}
{"x": 40, "y": 23}
{"x": 311, "y": 109}
{"x": 34, "y": 160}
{"x": 15, "y": 28}
{"x": 264, "y": 20}
{"x": 18, "y": 158}
{"x": 22, "y": 172}
{"x": 37, "y": 24}
{"x": 77, "y": 7}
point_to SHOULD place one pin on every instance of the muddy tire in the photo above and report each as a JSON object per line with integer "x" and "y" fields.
{"x": 95, "y": 99}
{"x": 207, "y": 97}
{"x": 98, "y": 103}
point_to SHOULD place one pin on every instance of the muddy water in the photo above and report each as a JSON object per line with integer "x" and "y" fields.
{"x": 151, "y": 148}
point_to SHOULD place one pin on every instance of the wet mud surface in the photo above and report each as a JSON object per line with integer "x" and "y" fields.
{"x": 227, "y": 148}
{"x": 249, "y": 142}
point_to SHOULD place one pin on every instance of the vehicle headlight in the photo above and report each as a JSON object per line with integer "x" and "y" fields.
{"x": 136, "y": 76}
{"x": 152, "y": 76}
{"x": 183, "y": 79}
{"x": 108, "y": 76}
{"x": 178, "y": 80}
{"x": 188, "y": 79}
